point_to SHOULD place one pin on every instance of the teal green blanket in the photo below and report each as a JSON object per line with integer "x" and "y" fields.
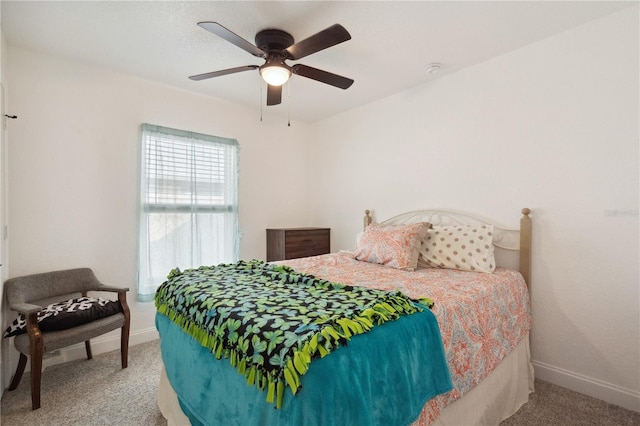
{"x": 356, "y": 385}
{"x": 270, "y": 322}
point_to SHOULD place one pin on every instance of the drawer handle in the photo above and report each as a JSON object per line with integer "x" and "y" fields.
{"x": 307, "y": 240}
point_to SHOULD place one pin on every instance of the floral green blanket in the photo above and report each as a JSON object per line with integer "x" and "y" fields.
{"x": 271, "y": 321}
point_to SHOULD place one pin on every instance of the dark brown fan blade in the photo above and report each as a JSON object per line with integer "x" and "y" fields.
{"x": 322, "y": 76}
{"x": 274, "y": 95}
{"x": 331, "y": 36}
{"x": 223, "y": 72}
{"x": 233, "y": 38}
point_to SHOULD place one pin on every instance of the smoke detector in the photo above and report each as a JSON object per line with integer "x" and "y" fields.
{"x": 433, "y": 68}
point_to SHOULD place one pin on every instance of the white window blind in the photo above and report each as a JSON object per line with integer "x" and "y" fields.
{"x": 188, "y": 203}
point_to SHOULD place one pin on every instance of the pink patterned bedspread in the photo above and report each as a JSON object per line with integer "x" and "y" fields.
{"x": 482, "y": 316}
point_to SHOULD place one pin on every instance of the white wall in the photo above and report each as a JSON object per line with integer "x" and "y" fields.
{"x": 73, "y": 168}
{"x": 553, "y": 127}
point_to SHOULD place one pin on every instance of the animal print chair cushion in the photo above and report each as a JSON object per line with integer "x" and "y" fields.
{"x": 67, "y": 314}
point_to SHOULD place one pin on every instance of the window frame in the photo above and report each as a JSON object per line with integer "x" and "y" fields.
{"x": 150, "y": 134}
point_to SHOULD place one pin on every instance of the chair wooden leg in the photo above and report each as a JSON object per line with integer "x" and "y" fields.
{"x": 124, "y": 346}
{"x": 36, "y": 376}
{"x": 22, "y": 363}
{"x": 36, "y": 350}
{"x": 87, "y": 346}
{"x": 124, "y": 336}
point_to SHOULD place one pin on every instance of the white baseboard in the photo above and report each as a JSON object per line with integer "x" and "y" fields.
{"x": 613, "y": 394}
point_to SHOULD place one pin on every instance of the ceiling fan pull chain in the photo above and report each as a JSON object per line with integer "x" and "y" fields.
{"x": 261, "y": 101}
{"x": 289, "y": 103}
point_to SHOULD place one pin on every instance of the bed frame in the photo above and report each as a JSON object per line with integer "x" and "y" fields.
{"x": 504, "y": 239}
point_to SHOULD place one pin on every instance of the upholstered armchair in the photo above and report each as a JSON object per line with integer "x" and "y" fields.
{"x": 39, "y": 295}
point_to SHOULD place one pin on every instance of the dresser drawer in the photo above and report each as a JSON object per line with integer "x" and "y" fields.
{"x": 292, "y": 243}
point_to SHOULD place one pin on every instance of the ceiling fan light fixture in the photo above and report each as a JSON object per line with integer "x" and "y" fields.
{"x": 275, "y": 72}
{"x": 275, "y": 75}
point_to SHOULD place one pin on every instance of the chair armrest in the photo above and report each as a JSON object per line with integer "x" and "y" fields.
{"x": 103, "y": 287}
{"x": 25, "y": 308}
{"x": 122, "y": 298}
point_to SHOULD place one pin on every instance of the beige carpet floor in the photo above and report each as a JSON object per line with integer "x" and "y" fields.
{"x": 94, "y": 392}
{"x": 99, "y": 392}
{"x": 555, "y": 405}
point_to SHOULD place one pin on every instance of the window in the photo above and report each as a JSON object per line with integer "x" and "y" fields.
{"x": 188, "y": 203}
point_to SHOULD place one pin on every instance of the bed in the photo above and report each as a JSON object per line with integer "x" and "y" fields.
{"x": 481, "y": 307}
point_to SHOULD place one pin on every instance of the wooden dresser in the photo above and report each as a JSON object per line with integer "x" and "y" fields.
{"x": 291, "y": 243}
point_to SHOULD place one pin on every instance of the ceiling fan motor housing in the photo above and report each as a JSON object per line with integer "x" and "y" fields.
{"x": 273, "y": 41}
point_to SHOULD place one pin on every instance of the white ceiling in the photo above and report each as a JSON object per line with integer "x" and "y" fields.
{"x": 392, "y": 42}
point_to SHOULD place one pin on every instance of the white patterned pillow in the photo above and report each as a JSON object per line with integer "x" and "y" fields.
{"x": 396, "y": 246}
{"x": 462, "y": 247}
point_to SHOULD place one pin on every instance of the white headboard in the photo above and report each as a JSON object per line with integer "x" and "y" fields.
{"x": 506, "y": 239}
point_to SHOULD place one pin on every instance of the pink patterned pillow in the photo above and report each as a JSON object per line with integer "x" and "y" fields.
{"x": 396, "y": 246}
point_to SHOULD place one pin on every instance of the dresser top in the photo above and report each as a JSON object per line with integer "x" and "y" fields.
{"x": 308, "y": 228}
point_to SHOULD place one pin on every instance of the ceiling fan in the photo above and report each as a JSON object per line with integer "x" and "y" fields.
{"x": 277, "y": 46}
